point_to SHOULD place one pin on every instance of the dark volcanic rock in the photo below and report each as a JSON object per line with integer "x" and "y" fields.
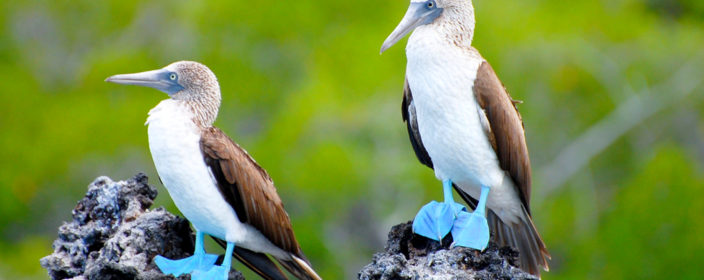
{"x": 113, "y": 235}
{"x": 409, "y": 256}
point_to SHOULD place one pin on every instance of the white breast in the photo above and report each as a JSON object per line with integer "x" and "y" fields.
{"x": 441, "y": 77}
{"x": 174, "y": 141}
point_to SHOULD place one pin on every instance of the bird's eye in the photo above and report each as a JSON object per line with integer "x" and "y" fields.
{"x": 430, "y": 4}
{"x": 172, "y": 76}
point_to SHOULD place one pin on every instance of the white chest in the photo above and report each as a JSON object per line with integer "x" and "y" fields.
{"x": 174, "y": 141}
{"x": 441, "y": 77}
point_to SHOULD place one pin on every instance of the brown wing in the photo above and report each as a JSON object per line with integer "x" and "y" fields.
{"x": 408, "y": 112}
{"x": 506, "y": 127}
{"x": 248, "y": 189}
{"x": 505, "y": 131}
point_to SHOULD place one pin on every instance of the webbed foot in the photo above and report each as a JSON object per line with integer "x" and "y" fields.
{"x": 471, "y": 230}
{"x": 215, "y": 272}
{"x": 187, "y": 265}
{"x": 199, "y": 261}
{"x": 435, "y": 219}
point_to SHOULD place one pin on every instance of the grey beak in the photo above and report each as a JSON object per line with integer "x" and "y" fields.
{"x": 158, "y": 79}
{"x": 417, "y": 14}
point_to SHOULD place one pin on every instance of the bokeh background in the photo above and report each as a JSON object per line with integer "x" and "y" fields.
{"x": 612, "y": 95}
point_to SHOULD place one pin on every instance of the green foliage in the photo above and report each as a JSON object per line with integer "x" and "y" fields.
{"x": 307, "y": 94}
{"x": 649, "y": 229}
{"x": 658, "y": 216}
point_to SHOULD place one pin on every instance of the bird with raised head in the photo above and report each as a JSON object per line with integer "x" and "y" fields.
{"x": 464, "y": 125}
{"x": 216, "y": 184}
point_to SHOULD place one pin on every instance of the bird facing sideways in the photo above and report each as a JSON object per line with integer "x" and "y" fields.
{"x": 217, "y": 186}
{"x": 464, "y": 125}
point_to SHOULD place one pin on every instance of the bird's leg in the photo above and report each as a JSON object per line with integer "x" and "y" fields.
{"x": 199, "y": 261}
{"x": 447, "y": 191}
{"x": 471, "y": 229}
{"x": 435, "y": 219}
{"x": 217, "y": 272}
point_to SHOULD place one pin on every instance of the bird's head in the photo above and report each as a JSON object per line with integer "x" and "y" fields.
{"x": 454, "y": 16}
{"x": 183, "y": 80}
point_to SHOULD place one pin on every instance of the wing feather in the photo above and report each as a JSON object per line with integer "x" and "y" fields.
{"x": 408, "y": 112}
{"x": 505, "y": 129}
{"x": 248, "y": 189}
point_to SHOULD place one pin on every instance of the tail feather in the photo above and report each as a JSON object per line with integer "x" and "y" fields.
{"x": 299, "y": 267}
{"x": 523, "y": 237}
{"x": 257, "y": 262}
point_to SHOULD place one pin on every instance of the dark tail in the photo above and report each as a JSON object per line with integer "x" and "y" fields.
{"x": 257, "y": 262}
{"x": 299, "y": 267}
{"x": 523, "y": 237}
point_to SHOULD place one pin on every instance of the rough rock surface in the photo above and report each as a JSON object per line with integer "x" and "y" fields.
{"x": 409, "y": 256}
{"x": 113, "y": 235}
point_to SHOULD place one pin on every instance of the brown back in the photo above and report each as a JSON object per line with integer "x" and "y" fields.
{"x": 248, "y": 189}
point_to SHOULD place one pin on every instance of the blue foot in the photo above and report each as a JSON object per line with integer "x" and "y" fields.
{"x": 185, "y": 266}
{"x": 435, "y": 219}
{"x": 471, "y": 229}
{"x": 217, "y": 272}
{"x": 199, "y": 261}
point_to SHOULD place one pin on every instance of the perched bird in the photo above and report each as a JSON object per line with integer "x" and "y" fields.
{"x": 463, "y": 124}
{"x": 220, "y": 189}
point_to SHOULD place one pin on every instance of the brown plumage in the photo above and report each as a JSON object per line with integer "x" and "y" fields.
{"x": 251, "y": 193}
{"x": 507, "y": 137}
{"x": 181, "y": 134}
{"x": 248, "y": 188}
{"x": 443, "y": 67}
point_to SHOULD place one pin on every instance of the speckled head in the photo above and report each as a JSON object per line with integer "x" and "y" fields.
{"x": 455, "y": 18}
{"x": 187, "y": 81}
{"x": 195, "y": 79}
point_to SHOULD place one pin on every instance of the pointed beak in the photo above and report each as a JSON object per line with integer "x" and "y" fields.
{"x": 158, "y": 79}
{"x": 417, "y": 14}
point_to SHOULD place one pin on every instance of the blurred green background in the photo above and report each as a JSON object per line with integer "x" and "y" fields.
{"x": 612, "y": 95}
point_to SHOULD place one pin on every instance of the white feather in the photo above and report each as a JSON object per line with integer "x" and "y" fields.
{"x": 174, "y": 141}
{"x": 441, "y": 77}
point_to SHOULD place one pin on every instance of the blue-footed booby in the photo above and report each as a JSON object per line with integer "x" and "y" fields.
{"x": 216, "y": 184}
{"x": 463, "y": 124}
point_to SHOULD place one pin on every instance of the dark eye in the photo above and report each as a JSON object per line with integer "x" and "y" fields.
{"x": 173, "y": 76}
{"x": 430, "y": 4}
